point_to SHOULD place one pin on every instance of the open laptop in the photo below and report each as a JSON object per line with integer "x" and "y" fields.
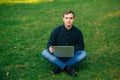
{"x": 64, "y": 51}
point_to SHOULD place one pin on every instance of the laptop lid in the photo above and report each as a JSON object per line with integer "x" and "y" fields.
{"x": 64, "y": 51}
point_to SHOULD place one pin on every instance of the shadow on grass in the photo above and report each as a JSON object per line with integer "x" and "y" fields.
{"x": 82, "y": 66}
{"x": 3, "y": 75}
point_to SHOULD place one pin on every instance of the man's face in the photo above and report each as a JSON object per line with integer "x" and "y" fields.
{"x": 68, "y": 20}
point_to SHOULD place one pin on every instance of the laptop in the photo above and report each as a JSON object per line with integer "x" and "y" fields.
{"x": 63, "y": 51}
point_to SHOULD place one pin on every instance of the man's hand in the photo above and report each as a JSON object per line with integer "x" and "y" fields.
{"x": 51, "y": 49}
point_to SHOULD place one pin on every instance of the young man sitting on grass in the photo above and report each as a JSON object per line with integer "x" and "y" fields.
{"x": 65, "y": 35}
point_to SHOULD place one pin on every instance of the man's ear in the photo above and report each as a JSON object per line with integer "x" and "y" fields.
{"x": 63, "y": 19}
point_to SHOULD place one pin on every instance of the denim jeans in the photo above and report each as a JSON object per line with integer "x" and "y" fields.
{"x": 77, "y": 58}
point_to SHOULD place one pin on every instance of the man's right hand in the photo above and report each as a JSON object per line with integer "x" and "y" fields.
{"x": 51, "y": 49}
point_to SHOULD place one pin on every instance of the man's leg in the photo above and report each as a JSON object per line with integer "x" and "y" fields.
{"x": 52, "y": 59}
{"x": 78, "y": 57}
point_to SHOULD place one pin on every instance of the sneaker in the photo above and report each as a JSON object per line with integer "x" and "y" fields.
{"x": 70, "y": 71}
{"x": 56, "y": 71}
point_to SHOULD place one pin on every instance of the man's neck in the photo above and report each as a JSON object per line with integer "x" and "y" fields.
{"x": 68, "y": 27}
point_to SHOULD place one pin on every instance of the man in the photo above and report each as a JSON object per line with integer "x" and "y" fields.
{"x": 65, "y": 35}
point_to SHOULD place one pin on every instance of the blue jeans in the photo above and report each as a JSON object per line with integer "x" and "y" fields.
{"x": 78, "y": 57}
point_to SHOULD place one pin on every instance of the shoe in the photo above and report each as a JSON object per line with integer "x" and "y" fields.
{"x": 56, "y": 71}
{"x": 70, "y": 71}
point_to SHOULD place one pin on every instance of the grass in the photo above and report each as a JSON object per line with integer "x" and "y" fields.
{"x": 25, "y": 29}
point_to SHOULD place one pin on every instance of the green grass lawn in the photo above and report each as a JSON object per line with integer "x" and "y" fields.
{"x": 25, "y": 29}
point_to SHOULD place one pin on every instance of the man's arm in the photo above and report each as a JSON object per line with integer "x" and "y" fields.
{"x": 52, "y": 41}
{"x": 80, "y": 44}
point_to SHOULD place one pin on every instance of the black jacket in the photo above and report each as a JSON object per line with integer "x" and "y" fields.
{"x": 63, "y": 37}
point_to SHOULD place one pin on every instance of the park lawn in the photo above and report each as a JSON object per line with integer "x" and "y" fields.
{"x": 25, "y": 29}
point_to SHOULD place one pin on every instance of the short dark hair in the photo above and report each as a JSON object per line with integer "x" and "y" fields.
{"x": 68, "y": 12}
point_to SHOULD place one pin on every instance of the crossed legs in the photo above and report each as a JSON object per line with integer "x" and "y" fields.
{"x": 78, "y": 57}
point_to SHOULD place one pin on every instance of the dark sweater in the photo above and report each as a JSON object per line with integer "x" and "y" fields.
{"x": 63, "y": 37}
